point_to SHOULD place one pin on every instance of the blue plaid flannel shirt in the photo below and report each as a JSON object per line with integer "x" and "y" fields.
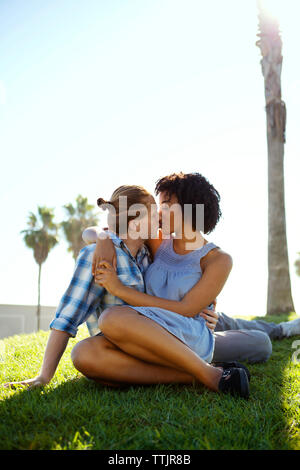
{"x": 84, "y": 300}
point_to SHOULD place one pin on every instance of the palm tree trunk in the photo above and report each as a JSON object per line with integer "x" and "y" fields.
{"x": 279, "y": 298}
{"x": 279, "y": 284}
{"x": 297, "y": 265}
{"x": 38, "y": 313}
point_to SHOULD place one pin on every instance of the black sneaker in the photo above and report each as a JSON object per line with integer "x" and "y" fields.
{"x": 235, "y": 382}
{"x": 229, "y": 365}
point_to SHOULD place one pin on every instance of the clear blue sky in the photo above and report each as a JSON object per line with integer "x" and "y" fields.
{"x": 95, "y": 94}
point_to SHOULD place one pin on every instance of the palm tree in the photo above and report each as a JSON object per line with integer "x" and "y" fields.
{"x": 297, "y": 265}
{"x": 41, "y": 237}
{"x": 279, "y": 284}
{"x": 79, "y": 217}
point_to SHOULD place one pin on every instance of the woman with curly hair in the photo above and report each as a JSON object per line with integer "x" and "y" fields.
{"x": 160, "y": 336}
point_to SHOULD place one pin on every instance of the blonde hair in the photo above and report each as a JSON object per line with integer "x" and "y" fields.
{"x": 134, "y": 194}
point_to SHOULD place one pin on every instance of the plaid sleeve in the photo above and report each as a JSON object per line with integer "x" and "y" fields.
{"x": 81, "y": 298}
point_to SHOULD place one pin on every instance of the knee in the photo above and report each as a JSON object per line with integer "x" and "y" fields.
{"x": 264, "y": 347}
{"x": 91, "y": 356}
{"x": 110, "y": 322}
{"x": 81, "y": 355}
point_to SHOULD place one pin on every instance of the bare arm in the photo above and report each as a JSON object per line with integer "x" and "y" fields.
{"x": 105, "y": 249}
{"x": 55, "y": 348}
{"x": 200, "y": 296}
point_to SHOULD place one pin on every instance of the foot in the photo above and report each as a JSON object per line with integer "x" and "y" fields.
{"x": 229, "y": 365}
{"x": 290, "y": 328}
{"x": 235, "y": 382}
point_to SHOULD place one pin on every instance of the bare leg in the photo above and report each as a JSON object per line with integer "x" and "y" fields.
{"x": 145, "y": 339}
{"x": 99, "y": 359}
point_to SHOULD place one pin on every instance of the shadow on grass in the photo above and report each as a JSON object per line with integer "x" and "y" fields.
{"x": 277, "y": 382}
{"x": 80, "y": 414}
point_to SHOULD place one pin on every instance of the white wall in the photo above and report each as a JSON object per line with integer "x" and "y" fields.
{"x": 17, "y": 319}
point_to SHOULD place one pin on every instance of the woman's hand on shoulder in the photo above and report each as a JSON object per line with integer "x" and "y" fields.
{"x": 104, "y": 251}
{"x": 90, "y": 235}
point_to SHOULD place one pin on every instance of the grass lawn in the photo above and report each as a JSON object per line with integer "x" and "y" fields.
{"x": 75, "y": 413}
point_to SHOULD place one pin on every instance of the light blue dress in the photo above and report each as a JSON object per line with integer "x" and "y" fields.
{"x": 171, "y": 276}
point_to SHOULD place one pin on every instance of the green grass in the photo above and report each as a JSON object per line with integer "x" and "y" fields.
{"x": 75, "y": 413}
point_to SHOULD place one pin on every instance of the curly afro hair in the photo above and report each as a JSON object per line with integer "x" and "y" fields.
{"x": 193, "y": 188}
